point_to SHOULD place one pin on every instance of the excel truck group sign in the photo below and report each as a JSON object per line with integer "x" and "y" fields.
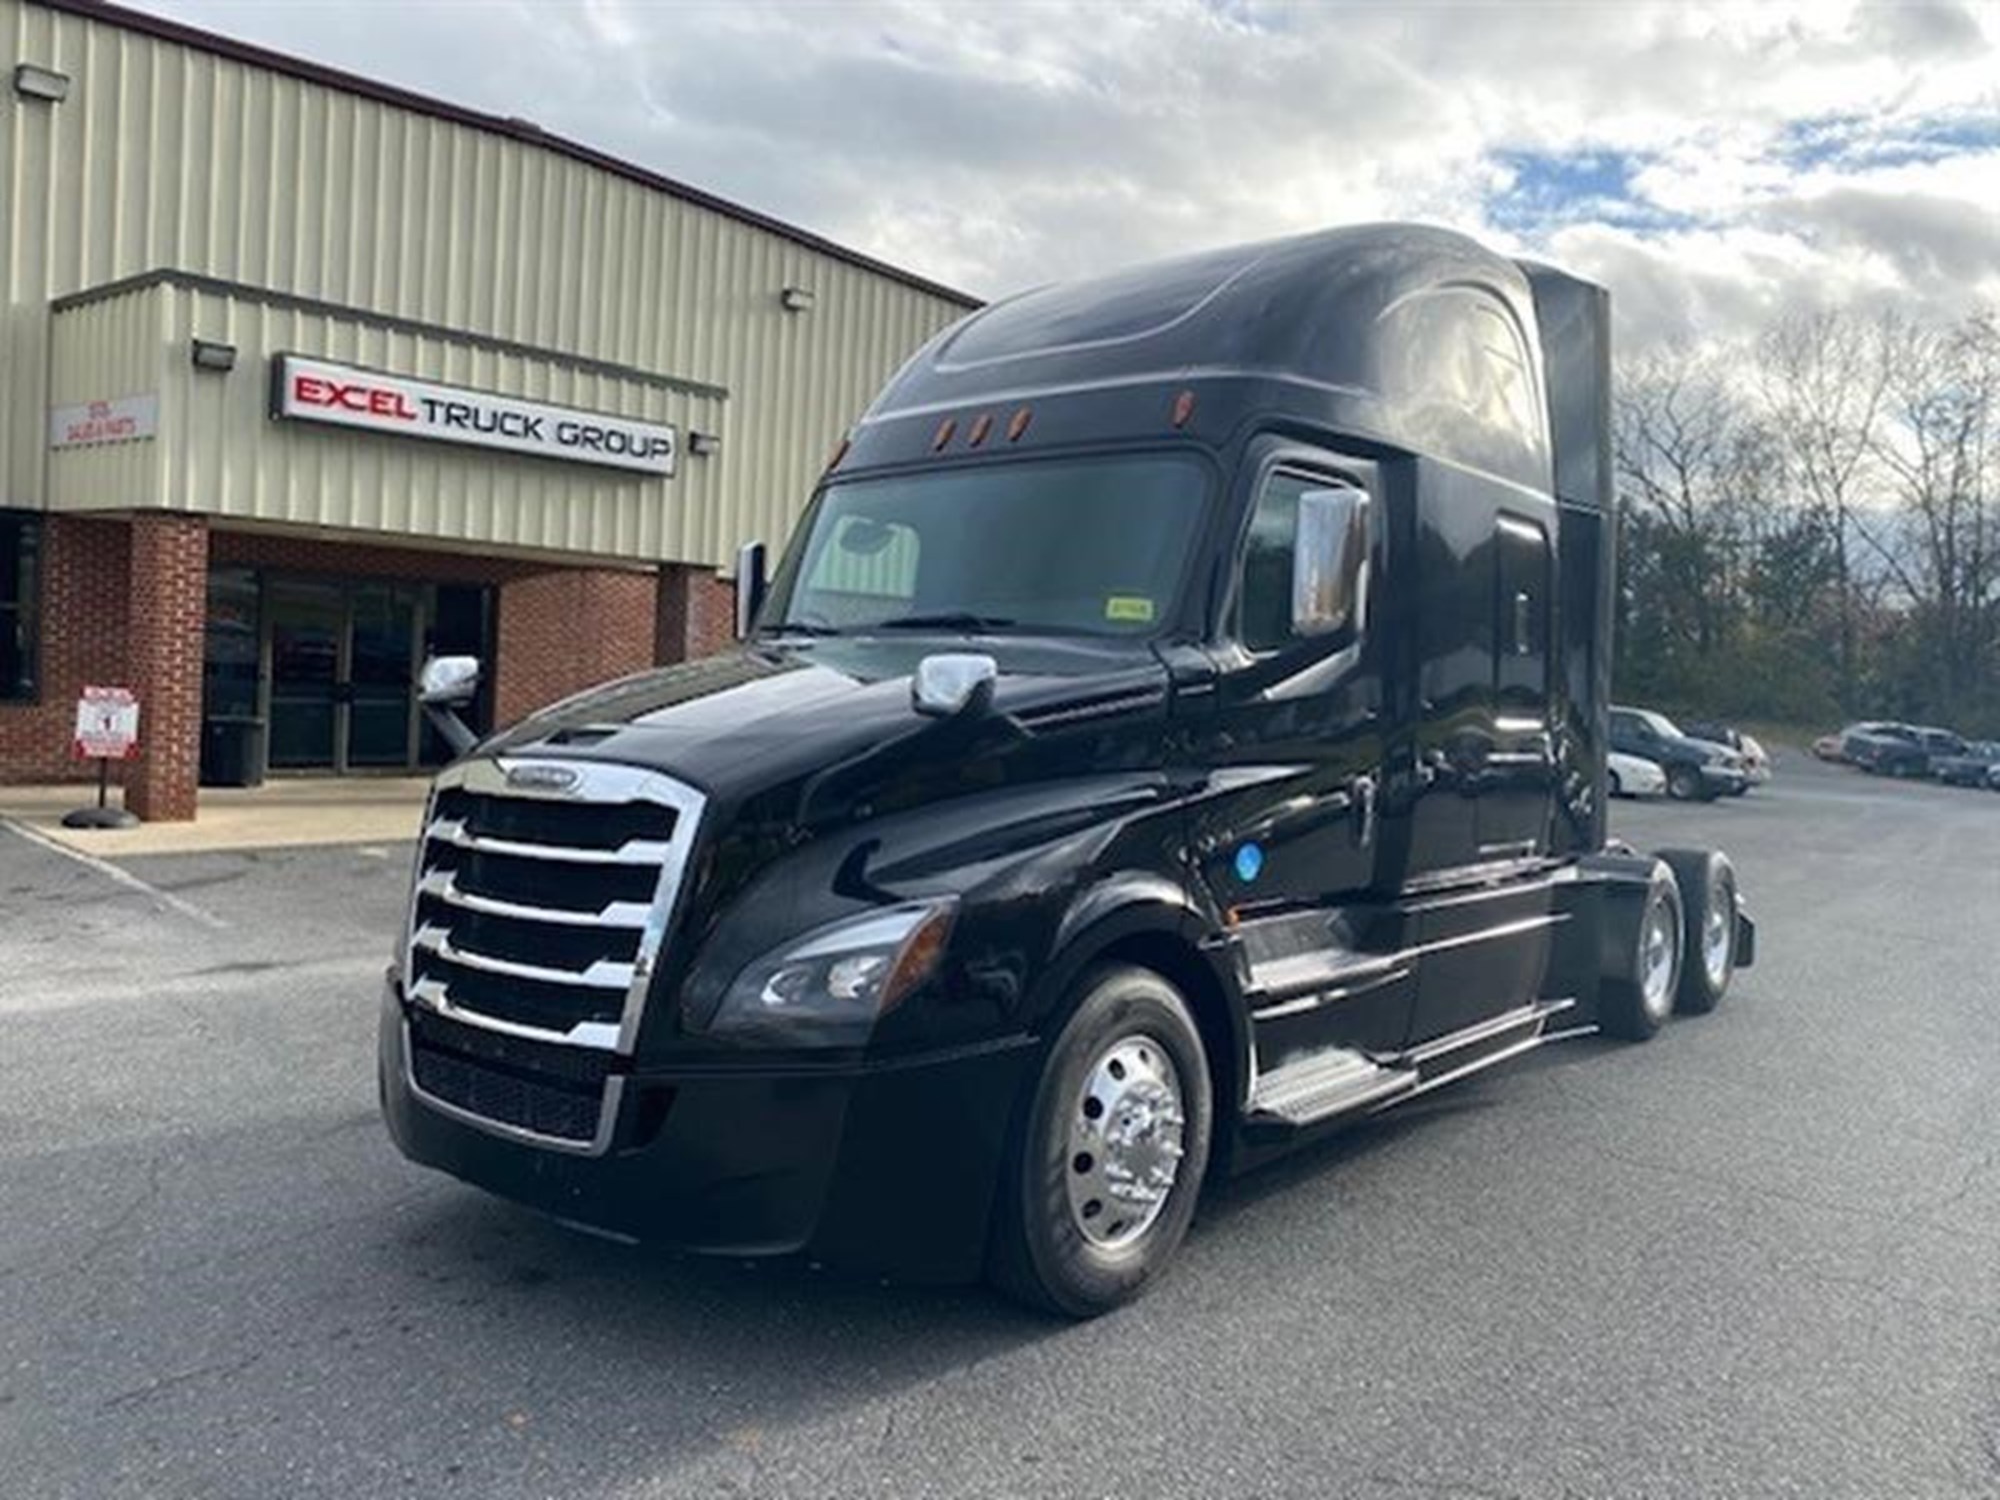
{"x": 312, "y": 390}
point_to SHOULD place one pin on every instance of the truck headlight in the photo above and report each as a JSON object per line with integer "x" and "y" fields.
{"x": 829, "y": 987}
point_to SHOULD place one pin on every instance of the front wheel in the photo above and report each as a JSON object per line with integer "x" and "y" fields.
{"x": 1101, "y": 1181}
{"x": 1683, "y": 783}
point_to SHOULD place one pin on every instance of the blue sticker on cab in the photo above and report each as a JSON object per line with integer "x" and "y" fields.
{"x": 1249, "y": 862}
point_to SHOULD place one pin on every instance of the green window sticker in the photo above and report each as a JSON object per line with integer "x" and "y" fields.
{"x": 1129, "y": 609}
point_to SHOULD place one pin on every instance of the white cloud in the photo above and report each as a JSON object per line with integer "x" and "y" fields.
{"x": 1711, "y": 162}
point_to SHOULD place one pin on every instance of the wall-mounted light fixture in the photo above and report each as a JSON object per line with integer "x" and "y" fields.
{"x": 208, "y": 355}
{"x": 796, "y": 299}
{"x": 707, "y": 444}
{"x": 32, "y": 82}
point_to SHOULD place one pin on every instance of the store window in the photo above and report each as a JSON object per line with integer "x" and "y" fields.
{"x": 20, "y": 570}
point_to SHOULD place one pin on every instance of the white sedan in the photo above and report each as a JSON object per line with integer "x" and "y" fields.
{"x": 1632, "y": 776}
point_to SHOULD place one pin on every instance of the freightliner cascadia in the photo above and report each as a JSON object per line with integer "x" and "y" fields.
{"x": 1176, "y": 728}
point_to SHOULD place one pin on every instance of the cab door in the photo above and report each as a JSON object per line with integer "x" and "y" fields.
{"x": 1516, "y": 804}
{"x": 1286, "y": 836}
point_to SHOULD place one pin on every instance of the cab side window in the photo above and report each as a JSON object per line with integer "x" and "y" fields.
{"x": 1275, "y": 594}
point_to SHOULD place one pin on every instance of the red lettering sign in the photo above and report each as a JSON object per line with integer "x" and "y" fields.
{"x": 371, "y": 401}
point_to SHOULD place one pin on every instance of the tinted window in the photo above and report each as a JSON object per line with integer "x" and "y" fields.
{"x": 1264, "y": 599}
{"x": 20, "y": 568}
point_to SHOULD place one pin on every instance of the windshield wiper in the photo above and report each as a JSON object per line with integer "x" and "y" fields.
{"x": 798, "y": 627}
{"x": 944, "y": 620}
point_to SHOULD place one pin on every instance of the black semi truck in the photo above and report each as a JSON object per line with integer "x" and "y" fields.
{"x": 1176, "y": 728}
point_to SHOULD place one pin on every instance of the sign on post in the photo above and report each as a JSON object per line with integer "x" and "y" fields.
{"x": 107, "y": 729}
{"x": 107, "y": 724}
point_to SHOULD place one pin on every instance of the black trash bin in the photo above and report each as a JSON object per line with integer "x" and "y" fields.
{"x": 232, "y": 750}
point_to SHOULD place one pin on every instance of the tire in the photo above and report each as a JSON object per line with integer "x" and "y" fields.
{"x": 1635, "y": 1000}
{"x": 1616, "y": 788}
{"x": 1683, "y": 783}
{"x": 1740, "y": 789}
{"x": 1130, "y": 1036}
{"x": 1708, "y": 899}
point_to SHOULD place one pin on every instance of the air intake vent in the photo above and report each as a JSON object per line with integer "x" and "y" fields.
{"x": 537, "y": 919}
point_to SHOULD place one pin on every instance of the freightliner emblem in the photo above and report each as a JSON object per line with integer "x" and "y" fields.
{"x": 540, "y": 778}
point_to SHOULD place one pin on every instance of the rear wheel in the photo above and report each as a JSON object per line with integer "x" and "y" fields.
{"x": 1707, "y": 883}
{"x": 1617, "y": 787}
{"x": 1683, "y": 783}
{"x": 1101, "y": 1181}
{"x": 1636, "y": 1000}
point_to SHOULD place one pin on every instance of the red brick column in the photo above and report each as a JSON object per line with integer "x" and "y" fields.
{"x": 167, "y": 594}
{"x": 697, "y": 613}
{"x": 568, "y": 629}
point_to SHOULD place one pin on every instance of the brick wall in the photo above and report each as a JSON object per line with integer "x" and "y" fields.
{"x": 305, "y": 554}
{"x": 563, "y": 630}
{"x": 697, "y": 614}
{"x": 167, "y": 590}
{"x": 82, "y": 626}
{"x": 124, "y": 602}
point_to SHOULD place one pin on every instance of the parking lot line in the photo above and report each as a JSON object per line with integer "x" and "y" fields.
{"x": 111, "y": 872}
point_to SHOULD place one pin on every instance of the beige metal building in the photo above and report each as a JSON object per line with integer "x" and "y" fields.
{"x": 302, "y": 376}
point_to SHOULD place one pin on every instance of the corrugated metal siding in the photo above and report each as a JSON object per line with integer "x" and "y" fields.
{"x": 166, "y": 156}
{"x": 109, "y": 349}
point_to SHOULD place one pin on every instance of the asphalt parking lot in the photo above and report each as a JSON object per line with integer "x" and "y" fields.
{"x": 1757, "y": 1256}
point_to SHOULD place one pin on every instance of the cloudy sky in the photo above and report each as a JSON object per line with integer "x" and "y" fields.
{"x": 1712, "y": 163}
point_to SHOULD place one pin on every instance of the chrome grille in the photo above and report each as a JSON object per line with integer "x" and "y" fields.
{"x": 537, "y": 918}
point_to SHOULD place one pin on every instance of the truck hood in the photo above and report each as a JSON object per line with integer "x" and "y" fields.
{"x": 760, "y": 716}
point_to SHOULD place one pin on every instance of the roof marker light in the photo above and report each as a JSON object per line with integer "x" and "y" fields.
{"x": 945, "y": 429}
{"x": 980, "y": 428}
{"x": 1018, "y": 424}
{"x": 1183, "y": 408}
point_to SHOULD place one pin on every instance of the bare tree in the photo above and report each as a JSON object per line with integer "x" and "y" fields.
{"x": 1940, "y": 446}
{"x": 1823, "y": 377}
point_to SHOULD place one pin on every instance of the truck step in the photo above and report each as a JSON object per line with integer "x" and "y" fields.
{"x": 1324, "y": 1085}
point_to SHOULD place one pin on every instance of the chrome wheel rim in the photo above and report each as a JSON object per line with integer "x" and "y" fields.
{"x": 1715, "y": 937}
{"x": 1657, "y": 944}
{"x": 1127, "y": 1134}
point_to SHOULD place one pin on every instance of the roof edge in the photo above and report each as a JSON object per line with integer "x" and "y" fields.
{"x": 513, "y": 128}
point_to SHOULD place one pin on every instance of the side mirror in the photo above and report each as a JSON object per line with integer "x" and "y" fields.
{"x": 1330, "y": 561}
{"x": 448, "y": 681}
{"x": 749, "y": 586}
{"x": 953, "y": 682}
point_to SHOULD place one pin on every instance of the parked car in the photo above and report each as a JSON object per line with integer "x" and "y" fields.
{"x": 1911, "y": 753}
{"x": 1866, "y": 743}
{"x": 1827, "y": 747}
{"x": 1634, "y": 776}
{"x": 1694, "y": 768}
{"x": 1978, "y": 765}
{"x": 1756, "y": 764}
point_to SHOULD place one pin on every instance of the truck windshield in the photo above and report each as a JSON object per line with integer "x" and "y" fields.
{"x": 1088, "y": 546}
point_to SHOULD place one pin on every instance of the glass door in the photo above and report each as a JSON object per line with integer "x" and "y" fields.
{"x": 381, "y": 668}
{"x": 308, "y": 624}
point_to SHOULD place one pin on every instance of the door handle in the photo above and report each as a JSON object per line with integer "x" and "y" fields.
{"x": 1361, "y": 799}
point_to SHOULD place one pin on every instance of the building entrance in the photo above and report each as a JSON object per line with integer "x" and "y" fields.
{"x": 319, "y": 674}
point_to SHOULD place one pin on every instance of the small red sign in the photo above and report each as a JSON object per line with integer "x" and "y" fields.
{"x": 107, "y": 724}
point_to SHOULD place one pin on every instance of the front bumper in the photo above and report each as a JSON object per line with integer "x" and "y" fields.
{"x": 1722, "y": 779}
{"x": 887, "y": 1166}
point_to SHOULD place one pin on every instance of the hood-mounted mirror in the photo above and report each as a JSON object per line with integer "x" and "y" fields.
{"x": 449, "y": 681}
{"x": 953, "y": 682}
